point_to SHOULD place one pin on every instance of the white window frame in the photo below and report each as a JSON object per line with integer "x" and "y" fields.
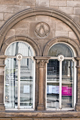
{"x": 60, "y": 81}
{"x": 31, "y": 57}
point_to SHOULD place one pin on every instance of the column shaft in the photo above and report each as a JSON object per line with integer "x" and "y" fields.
{"x": 2, "y": 58}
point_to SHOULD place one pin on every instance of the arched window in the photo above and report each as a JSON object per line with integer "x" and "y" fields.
{"x": 19, "y": 76}
{"x": 61, "y": 80}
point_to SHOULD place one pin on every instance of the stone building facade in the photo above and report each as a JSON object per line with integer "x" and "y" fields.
{"x": 41, "y": 24}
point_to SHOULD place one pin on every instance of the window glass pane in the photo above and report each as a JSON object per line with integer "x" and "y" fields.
{"x": 61, "y": 49}
{"x": 53, "y": 84}
{"x": 19, "y": 47}
{"x": 11, "y": 83}
{"x": 26, "y": 83}
{"x": 67, "y": 84}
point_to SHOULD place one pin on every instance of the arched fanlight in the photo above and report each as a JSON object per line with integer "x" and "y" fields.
{"x": 61, "y": 49}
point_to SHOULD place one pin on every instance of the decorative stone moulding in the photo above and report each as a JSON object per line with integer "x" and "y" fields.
{"x": 34, "y": 12}
{"x": 64, "y": 40}
{"x": 22, "y": 38}
{"x": 42, "y": 29}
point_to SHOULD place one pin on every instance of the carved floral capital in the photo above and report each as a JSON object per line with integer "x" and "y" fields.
{"x": 41, "y": 60}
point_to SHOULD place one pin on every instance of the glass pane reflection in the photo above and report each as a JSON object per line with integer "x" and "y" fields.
{"x": 26, "y": 83}
{"x": 53, "y": 70}
{"x": 19, "y": 47}
{"x": 53, "y": 84}
{"x": 11, "y": 81}
{"x": 67, "y": 84}
{"x": 52, "y": 95}
{"x": 61, "y": 49}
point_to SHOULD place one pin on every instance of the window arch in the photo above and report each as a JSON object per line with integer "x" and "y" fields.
{"x": 61, "y": 48}
{"x": 19, "y": 76}
{"x": 61, "y": 80}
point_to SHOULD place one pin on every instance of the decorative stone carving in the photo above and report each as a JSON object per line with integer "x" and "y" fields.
{"x": 42, "y": 29}
{"x": 42, "y": 62}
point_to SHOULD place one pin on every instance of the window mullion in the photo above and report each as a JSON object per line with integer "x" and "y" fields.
{"x": 60, "y": 85}
{"x": 18, "y": 84}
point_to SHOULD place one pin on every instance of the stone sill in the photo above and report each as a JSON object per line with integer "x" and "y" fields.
{"x": 40, "y": 114}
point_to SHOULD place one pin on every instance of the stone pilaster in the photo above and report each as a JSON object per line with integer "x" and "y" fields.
{"x": 2, "y": 58}
{"x": 78, "y": 84}
{"x": 41, "y": 78}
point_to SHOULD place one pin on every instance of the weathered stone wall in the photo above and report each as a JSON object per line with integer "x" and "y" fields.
{"x": 10, "y": 7}
{"x": 27, "y": 27}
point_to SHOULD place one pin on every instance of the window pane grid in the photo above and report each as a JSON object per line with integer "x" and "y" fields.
{"x": 59, "y": 86}
{"x": 19, "y": 77}
{"x": 53, "y": 82}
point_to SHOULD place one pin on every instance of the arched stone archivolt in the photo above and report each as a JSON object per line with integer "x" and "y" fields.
{"x": 67, "y": 40}
{"x": 34, "y": 44}
{"x": 40, "y": 58}
{"x": 34, "y": 12}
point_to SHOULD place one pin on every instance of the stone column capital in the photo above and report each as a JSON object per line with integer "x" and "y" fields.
{"x": 3, "y": 56}
{"x": 2, "y": 59}
{"x": 2, "y": 65}
{"x": 41, "y": 60}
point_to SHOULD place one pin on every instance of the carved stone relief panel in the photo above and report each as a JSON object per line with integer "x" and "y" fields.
{"x": 42, "y": 29}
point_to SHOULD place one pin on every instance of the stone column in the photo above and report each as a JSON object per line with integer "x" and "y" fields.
{"x": 78, "y": 84}
{"x": 2, "y": 58}
{"x": 41, "y": 79}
